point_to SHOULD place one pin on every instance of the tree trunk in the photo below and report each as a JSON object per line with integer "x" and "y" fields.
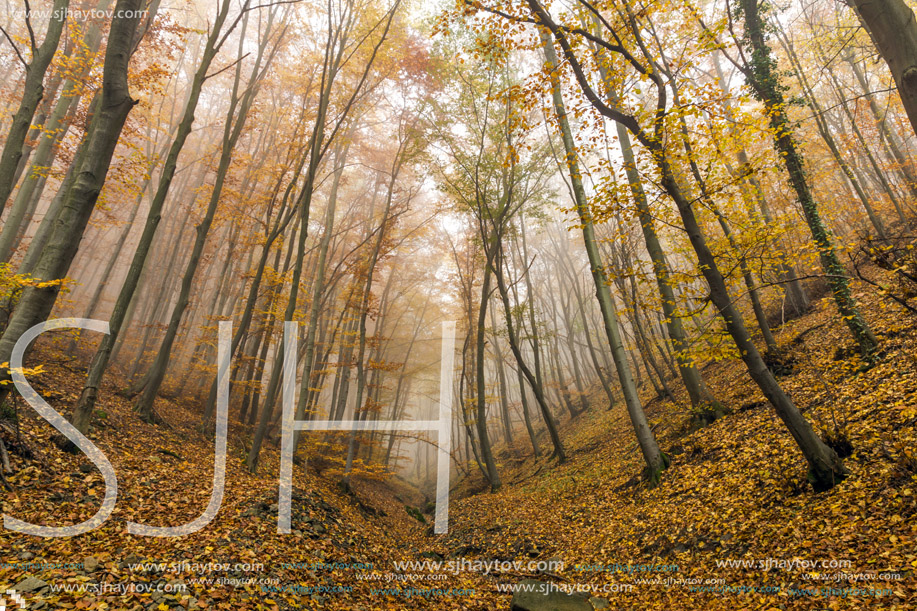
{"x": 501, "y": 379}
{"x": 825, "y": 467}
{"x": 795, "y": 293}
{"x": 764, "y": 83}
{"x": 825, "y": 131}
{"x": 98, "y": 148}
{"x": 698, "y": 392}
{"x": 534, "y": 382}
{"x": 32, "y": 93}
{"x": 656, "y": 461}
{"x": 889, "y": 138}
{"x": 235, "y": 124}
{"x": 893, "y": 29}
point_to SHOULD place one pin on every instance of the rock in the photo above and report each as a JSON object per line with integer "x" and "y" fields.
{"x": 599, "y": 603}
{"x": 30, "y": 584}
{"x": 26, "y": 555}
{"x": 542, "y": 597}
{"x": 86, "y": 467}
{"x": 90, "y": 564}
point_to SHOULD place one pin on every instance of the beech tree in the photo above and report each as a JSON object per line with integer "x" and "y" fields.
{"x": 825, "y": 466}
{"x": 759, "y": 70}
{"x": 616, "y": 202}
{"x": 94, "y": 157}
{"x": 32, "y": 93}
{"x": 893, "y": 29}
{"x": 82, "y": 411}
{"x": 656, "y": 461}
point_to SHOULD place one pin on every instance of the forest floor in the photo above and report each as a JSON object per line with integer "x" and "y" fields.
{"x": 733, "y": 524}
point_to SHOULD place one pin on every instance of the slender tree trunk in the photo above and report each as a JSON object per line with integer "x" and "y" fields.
{"x": 824, "y": 465}
{"x": 763, "y": 81}
{"x": 606, "y": 386}
{"x": 566, "y": 309}
{"x": 698, "y": 392}
{"x": 795, "y": 293}
{"x": 852, "y": 121}
{"x": 318, "y": 287}
{"x": 530, "y": 295}
{"x": 655, "y": 460}
{"x": 235, "y": 124}
{"x": 524, "y": 404}
{"x": 32, "y": 93}
{"x": 889, "y": 137}
{"x": 825, "y": 132}
{"x": 116, "y": 255}
{"x": 360, "y": 412}
{"x": 534, "y": 382}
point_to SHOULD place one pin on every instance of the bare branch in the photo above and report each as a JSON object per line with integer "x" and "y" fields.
{"x": 15, "y": 48}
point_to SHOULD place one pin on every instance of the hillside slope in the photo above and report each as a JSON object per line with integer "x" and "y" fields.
{"x": 733, "y": 524}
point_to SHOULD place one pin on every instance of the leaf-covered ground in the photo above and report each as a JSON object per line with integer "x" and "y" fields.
{"x": 733, "y": 524}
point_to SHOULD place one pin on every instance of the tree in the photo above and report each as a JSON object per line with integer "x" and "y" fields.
{"x": 759, "y": 69}
{"x": 33, "y": 90}
{"x": 655, "y": 460}
{"x": 240, "y": 103}
{"x": 893, "y": 28}
{"x": 94, "y": 157}
{"x": 83, "y": 409}
{"x": 700, "y": 395}
{"x": 343, "y": 40}
{"x": 824, "y": 465}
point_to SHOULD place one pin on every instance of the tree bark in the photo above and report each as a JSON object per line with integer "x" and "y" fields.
{"x": 893, "y": 28}
{"x": 98, "y": 147}
{"x": 655, "y": 460}
{"x": 33, "y": 91}
{"x": 763, "y": 81}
